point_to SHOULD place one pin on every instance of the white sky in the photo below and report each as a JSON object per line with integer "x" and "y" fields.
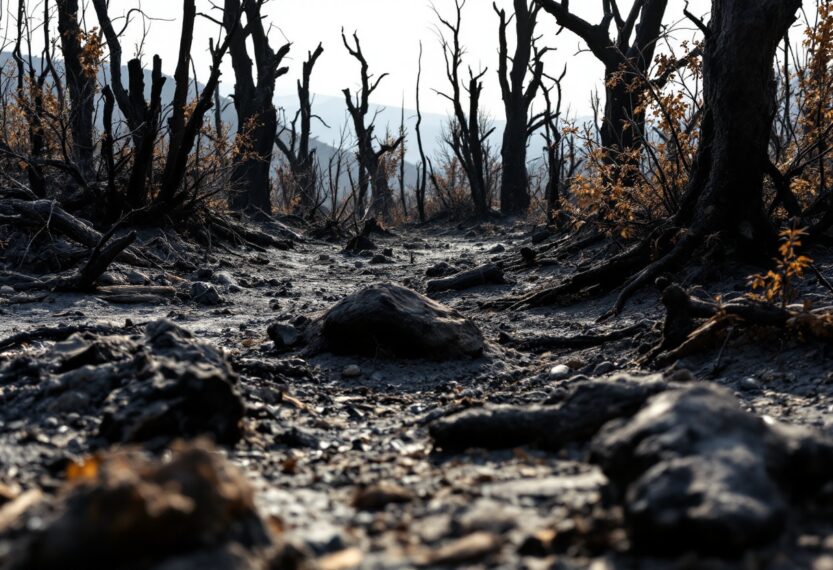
{"x": 390, "y": 31}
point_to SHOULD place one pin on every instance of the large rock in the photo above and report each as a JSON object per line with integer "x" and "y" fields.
{"x": 698, "y": 472}
{"x": 393, "y": 321}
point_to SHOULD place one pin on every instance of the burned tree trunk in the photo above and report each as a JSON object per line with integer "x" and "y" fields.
{"x": 422, "y": 181}
{"x": 371, "y": 168}
{"x": 81, "y": 84}
{"x": 467, "y": 137}
{"x": 517, "y": 98}
{"x": 257, "y": 119}
{"x": 725, "y": 194}
{"x": 302, "y": 162}
{"x": 176, "y": 122}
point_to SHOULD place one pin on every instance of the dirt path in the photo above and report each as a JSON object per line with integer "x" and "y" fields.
{"x": 345, "y": 460}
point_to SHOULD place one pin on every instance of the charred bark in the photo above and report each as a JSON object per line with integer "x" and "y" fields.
{"x": 517, "y": 99}
{"x": 81, "y": 85}
{"x": 257, "y": 119}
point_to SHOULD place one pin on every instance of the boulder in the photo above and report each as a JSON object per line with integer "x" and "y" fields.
{"x": 393, "y": 321}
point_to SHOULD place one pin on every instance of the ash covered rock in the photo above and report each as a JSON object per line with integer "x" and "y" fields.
{"x": 125, "y": 510}
{"x": 159, "y": 385}
{"x": 183, "y": 388}
{"x": 393, "y": 321}
{"x": 699, "y": 472}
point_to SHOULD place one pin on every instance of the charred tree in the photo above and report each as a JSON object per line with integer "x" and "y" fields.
{"x": 467, "y": 136}
{"x": 422, "y": 175}
{"x": 296, "y": 150}
{"x": 176, "y": 122}
{"x": 81, "y": 85}
{"x": 370, "y": 159}
{"x": 725, "y": 191}
{"x": 517, "y": 99}
{"x": 626, "y": 61}
{"x": 257, "y": 119}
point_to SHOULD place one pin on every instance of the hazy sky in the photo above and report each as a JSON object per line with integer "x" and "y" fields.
{"x": 390, "y": 31}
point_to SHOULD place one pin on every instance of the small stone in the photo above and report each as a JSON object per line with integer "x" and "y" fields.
{"x": 388, "y": 252}
{"x": 499, "y": 248}
{"x": 559, "y": 372}
{"x": 205, "y": 294}
{"x": 284, "y": 336}
{"x": 136, "y": 278}
{"x": 604, "y": 368}
{"x": 749, "y": 384}
{"x": 224, "y": 278}
{"x": 351, "y": 371}
{"x": 7, "y": 290}
{"x": 377, "y": 497}
{"x": 380, "y": 259}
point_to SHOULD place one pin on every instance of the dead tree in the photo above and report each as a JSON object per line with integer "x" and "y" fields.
{"x": 422, "y": 174}
{"x": 32, "y": 106}
{"x": 517, "y": 99}
{"x": 144, "y": 117}
{"x": 562, "y": 161}
{"x": 257, "y": 119}
{"x": 296, "y": 150}
{"x": 725, "y": 191}
{"x": 467, "y": 136}
{"x": 402, "y": 134}
{"x": 81, "y": 84}
{"x": 370, "y": 159}
{"x": 626, "y": 61}
{"x": 176, "y": 122}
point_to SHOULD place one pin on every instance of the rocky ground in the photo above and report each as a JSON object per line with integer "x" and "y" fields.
{"x": 358, "y": 424}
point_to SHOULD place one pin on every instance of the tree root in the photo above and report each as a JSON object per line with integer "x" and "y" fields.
{"x": 692, "y": 325}
{"x": 544, "y": 343}
{"x": 589, "y": 406}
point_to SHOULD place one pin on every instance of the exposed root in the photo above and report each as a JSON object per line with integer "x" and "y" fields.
{"x": 693, "y": 325}
{"x": 545, "y": 343}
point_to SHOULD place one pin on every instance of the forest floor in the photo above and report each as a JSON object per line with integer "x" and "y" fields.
{"x": 338, "y": 449}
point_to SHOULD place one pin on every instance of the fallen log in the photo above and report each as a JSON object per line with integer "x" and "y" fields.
{"x": 50, "y": 214}
{"x": 489, "y": 274}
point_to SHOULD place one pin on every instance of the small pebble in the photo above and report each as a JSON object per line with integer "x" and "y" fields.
{"x": 559, "y": 372}
{"x": 351, "y": 371}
